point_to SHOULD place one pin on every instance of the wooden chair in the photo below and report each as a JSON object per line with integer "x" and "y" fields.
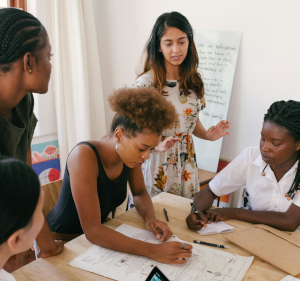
{"x": 52, "y": 191}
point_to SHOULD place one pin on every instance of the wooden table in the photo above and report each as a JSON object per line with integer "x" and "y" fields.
{"x": 57, "y": 268}
{"x": 205, "y": 176}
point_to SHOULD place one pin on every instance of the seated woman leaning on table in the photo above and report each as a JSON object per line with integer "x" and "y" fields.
{"x": 270, "y": 173}
{"x": 21, "y": 209}
{"x": 95, "y": 181}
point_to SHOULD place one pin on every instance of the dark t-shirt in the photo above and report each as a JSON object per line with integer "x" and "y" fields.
{"x": 15, "y": 139}
{"x": 64, "y": 218}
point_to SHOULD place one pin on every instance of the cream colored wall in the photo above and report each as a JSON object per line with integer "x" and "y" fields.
{"x": 269, "y": 59}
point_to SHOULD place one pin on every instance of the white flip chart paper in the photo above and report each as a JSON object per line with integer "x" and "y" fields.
{"x": 218, "y": 53}
{"x": 206, "y": 264}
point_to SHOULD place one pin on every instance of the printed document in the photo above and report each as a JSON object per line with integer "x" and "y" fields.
{"x": 206, "y": 264}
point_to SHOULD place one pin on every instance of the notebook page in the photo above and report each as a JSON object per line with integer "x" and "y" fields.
{"x": 214, "y": 228}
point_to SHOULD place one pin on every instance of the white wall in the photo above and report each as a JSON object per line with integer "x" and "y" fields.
{"x": 269, "y": 59}
{"x": 44, "y": 108}
{"x": 3, "y": 3}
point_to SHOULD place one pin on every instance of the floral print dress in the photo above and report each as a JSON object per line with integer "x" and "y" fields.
{"x": 174, "y": 171}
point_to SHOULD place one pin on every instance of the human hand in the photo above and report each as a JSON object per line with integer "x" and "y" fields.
{"x": 166, "y": 144}
{"x": 218, "y": 131}
{"x": 58, "y": 249}
{"x": 171, "y": 252}
{"x": 194, "y": 223}
{"x": 159, "y": 227}
{"x": 219, "y": 214}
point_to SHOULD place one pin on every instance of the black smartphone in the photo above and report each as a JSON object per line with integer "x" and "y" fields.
{"x": 156, "y": 275}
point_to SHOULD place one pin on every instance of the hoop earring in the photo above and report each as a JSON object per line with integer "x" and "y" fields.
{"x": 116, "y": 147}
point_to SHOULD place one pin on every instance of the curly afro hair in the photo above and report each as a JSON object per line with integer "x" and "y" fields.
{"x": 141, "y": 109}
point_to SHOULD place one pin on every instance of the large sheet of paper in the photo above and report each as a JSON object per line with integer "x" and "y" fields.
{"x": 218, "y": 52}
{"x": 206, "y": 264}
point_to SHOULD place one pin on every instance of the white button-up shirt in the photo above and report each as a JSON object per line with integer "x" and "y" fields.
{"x": 5, "y": 276}
{"x": 265, "y": 193}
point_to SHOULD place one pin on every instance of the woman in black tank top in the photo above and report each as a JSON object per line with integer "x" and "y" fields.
{"x": 96, "y": 175}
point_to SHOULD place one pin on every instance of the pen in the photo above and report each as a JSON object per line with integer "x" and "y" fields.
{"x": 166, "y": 214}
{"x": 195, "y": 211}
{"x": 210, "y": 244}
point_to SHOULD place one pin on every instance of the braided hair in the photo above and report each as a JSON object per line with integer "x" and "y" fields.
{"x": 20, "y": 32}
{"x": 286, "y": 114}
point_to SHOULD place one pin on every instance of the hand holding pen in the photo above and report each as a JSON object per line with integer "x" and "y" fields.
{"x": 196, "y": 220}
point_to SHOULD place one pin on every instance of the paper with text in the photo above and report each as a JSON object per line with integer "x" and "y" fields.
{"x": 218, "y": 52}
{"x": 216, "y": 227}
{"x": 290, "y": 278}
{"x": 207, "y": 264}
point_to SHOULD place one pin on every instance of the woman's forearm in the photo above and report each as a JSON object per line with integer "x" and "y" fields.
{"x": 200, "y": 131}
{"x": 144, "y": 206}
{"x": 46, "y": 242}
{"x": 275, "y": 219}
{"x": 204, "y": 199}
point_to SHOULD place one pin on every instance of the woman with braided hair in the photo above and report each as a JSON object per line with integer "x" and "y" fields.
{"x": 25, "y": 67}
{"x": 270, "y": 173}
{"x": 96, "y": 175}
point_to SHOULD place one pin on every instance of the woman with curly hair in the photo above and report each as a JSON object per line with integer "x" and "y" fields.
{"x": 96, "y": 175}
{"x": 270, "y": 172}
{"x": 171, "y": 68}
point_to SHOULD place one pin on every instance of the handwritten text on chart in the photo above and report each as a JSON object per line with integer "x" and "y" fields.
{"x": 215, "y": 59}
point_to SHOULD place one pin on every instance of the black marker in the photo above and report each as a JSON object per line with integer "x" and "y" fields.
{"x": 210, "y": 244}
{"x": 195, "y": 211}
{"x": 166, "y": 214}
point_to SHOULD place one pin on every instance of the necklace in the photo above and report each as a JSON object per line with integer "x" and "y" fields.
{"x": 263, "y": 172}
{"x": 290, "y": 195}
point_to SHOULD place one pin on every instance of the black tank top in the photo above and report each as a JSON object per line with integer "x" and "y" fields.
{"x": 64, "y": 219}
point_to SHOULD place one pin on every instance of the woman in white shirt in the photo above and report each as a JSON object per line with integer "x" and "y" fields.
{"x": 271, "y": 174}
{"x": 21, "y": 209}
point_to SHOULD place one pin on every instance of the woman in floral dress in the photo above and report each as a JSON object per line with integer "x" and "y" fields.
{"x": 171, "y": 68}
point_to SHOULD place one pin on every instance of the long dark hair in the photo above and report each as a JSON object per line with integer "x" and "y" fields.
{"x": 190, "y": 78}
{"x": 19, "y": 195}
{"x": 286, "y": 114}
{"x": 20, "y": 32}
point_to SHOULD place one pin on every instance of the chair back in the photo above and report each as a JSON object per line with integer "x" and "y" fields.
{"x": 52, "y": 191}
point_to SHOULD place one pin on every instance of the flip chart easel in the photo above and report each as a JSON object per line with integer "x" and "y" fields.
{"x": 218, "y": 53}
